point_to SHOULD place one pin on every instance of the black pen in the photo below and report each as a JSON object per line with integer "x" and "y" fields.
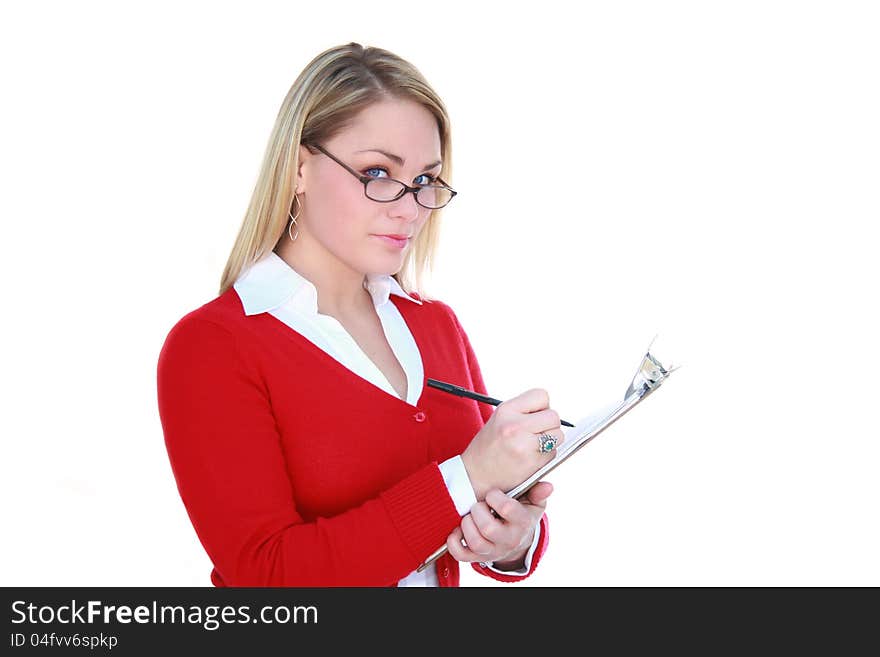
{"x": 464, "y": 392}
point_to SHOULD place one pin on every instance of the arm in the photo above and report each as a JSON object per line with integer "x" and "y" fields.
{"x": 523, "y": 566}
{"x": 225, "y": 452}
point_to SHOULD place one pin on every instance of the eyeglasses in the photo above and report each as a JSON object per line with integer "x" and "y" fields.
{"x": 386, "y": 190}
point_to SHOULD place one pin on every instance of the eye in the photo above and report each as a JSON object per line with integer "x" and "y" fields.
{"x": 373, "y": 172}
{"x": 425, "y": 179}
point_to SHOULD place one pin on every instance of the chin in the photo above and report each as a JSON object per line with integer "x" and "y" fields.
{"x": 383, "y": 271}
{"x": 389, "y": 265}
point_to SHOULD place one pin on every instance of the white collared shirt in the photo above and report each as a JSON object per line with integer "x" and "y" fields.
{"x": 272, "y": 286}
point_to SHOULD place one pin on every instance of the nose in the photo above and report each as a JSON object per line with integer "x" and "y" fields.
{"x": 405, "y": 207}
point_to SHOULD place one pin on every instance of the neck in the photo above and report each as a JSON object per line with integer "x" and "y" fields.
{"x": 340, "y": 289}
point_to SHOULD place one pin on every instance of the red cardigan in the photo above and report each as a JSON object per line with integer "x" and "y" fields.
{"x": 297, "y": 472}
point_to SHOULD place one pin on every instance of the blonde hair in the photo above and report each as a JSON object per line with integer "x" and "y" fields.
{"x": 333, "y": 88}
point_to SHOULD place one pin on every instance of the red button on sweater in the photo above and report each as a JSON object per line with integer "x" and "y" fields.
{"x": 295, "y": 471}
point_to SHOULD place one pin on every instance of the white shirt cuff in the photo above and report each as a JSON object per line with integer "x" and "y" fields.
{"x": 459, "y": 484}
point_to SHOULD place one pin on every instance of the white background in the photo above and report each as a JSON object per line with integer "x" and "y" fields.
{"x": 706, "y": 172}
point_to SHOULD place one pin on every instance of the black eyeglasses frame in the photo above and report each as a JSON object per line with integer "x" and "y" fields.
{"x": 406, "y": 188}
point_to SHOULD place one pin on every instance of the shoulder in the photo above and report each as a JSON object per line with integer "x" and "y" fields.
{"x": 430, "y": 306}
{"x": 215, "y": 323}
{"x": 434, "y": 318}
{"x": 225, "y": 309}
{"x": 427, "y": 308}
{"x": 445, "y": 311}
{"x": 205, "y": 356}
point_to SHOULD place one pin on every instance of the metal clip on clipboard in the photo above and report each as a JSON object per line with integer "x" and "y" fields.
{"x": 650, "y": 374}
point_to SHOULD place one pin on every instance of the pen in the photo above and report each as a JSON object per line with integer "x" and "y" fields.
{"x": 470, "y": 394}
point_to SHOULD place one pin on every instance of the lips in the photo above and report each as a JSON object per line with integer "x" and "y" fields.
{"x": 396, "y": 241}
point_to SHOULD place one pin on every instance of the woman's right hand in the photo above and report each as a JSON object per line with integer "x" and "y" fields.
{"x": 506, "y": 451}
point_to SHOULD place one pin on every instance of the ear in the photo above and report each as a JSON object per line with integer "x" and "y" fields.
{"x": 302, "y": 170}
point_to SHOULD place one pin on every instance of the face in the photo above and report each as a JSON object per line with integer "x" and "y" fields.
{"x": 392, "y": 138}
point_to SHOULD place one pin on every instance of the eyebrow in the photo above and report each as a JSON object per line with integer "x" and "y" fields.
{"x": 396, "y": 158}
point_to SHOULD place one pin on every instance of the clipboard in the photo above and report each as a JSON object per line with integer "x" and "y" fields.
{"x": 649, "y": 376}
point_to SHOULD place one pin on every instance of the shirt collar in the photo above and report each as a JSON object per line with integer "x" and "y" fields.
{"x": 271, "y": 282}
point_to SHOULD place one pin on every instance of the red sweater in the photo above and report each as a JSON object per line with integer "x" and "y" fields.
{"x": 297, "y": 472}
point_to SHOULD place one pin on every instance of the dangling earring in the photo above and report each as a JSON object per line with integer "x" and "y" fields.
{"x": 292, "y": 224}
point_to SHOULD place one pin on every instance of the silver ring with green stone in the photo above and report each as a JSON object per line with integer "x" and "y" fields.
{"x": 546, "y": 443}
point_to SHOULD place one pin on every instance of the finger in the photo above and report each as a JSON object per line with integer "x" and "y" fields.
{"x": 539, "y": 493}
{"x": 489, "y": 524}
{"x": 453, "y": 544}
{"x": 509, "y": 509}
{"x": 458, "y": 551}
{"x": 557, "y": 434}
{"x": 530, "y": 401}
{"x": 543, "y": 420}
{"x": 502, "y": 535}
{"x": 476, "y": 542}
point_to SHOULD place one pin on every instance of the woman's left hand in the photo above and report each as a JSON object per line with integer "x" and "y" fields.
{"x": 505, "y": 536}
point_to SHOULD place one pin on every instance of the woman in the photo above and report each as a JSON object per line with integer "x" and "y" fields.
{"x": 306, "y": 447}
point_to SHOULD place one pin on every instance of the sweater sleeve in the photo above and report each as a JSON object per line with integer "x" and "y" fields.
{"x": 486, "y": 411}
{"x": 227, "y": 459}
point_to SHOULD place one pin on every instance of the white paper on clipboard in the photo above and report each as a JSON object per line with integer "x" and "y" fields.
{"x": 650, "y": 374}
